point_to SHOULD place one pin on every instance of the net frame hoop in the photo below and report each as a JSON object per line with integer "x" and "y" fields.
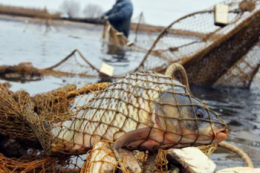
{"x": 164, "y": 31}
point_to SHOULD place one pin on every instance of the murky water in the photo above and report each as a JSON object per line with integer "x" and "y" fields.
{"x": 23, "y": 41}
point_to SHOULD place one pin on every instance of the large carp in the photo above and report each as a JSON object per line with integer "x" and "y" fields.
{"x": 141, "y": 111}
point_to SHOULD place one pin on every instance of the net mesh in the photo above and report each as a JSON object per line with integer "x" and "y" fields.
{"x": 5, "y": 85}
{"x": 112, "y": 36}
{"x": 242, "y": 73}
{"x": 211, "y": 54}
{"x": 142, "y": 111}
{"x": 39, "y": 163}
{"x": 17, "y": 133}
{"x": 74, "y": 64}
{"x": 207, "y": 51}
{"x": 140, "y": 102}
{"x": 102, "y": 158}
{"x": 143, "y": 35}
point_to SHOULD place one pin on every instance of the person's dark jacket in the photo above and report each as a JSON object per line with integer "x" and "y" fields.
{"x": 120, "y": 16}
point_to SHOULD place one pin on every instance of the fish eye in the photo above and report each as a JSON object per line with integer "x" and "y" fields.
{"x": 199, "y": 113}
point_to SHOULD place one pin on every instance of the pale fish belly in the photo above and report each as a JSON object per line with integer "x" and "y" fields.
{"x": 126, "y": 105}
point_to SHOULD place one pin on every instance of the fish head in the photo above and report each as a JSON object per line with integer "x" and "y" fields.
{"x": 187, "y": 121}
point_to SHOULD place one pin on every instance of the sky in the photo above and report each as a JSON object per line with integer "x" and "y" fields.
{"x": 157, "y": 12}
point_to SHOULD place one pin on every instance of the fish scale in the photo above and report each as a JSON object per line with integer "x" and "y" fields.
{"x": 128, "y": 104}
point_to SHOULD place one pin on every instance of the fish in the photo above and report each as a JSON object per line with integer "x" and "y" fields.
{"x": 144, "y": 111}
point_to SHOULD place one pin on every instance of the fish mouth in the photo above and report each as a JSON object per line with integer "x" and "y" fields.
{"x": 220, "y": 135}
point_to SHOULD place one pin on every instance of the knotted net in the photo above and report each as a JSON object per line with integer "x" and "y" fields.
{"x": 211, "y": 54}
{"x": 141, "y": 111}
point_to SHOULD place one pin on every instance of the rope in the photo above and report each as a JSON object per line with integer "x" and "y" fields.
{"x": 179, "y": 69}
{"x": 239, "y": 152}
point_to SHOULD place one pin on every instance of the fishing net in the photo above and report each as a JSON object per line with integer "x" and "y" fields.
{"x": 112, "y": 36}
{"x": 17, "y": 135}
{"x": 256, "y": 80}
{"x": 141, "y": 38}
{"x": 22, "y": 71}
{"x": 5, "y": 85}
{"x": 51, "y": 106}
{"x": 128, "y": 104}
{"x": 138, "y": 111}
{"x": 211, "y": 54}
{"x": 102, "y": 158}
{"x": 74, "y": 64}
{"x": 207, "y": 51}
{"x": 143, "y": 35}
{"x": 40, "y": 163}
{"x": 242, "y": 73}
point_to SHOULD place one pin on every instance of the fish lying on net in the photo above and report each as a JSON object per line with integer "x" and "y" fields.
{"x": 143, "y": 110}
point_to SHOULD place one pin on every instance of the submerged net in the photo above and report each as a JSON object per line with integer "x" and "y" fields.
{"x": 64, "y": 124}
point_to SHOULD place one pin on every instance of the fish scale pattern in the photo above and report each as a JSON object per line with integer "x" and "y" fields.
{"x": 142, "y": 110}
{"x": 147, "y": 102}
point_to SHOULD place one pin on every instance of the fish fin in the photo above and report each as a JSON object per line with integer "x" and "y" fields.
{"x": 131, "y": 137}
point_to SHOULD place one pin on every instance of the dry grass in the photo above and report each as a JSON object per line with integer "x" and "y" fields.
{"x": 44, "y": 14}
{"x": 27, "y": 12}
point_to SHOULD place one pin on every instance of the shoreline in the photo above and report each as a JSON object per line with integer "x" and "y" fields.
{"x": 98, "y": 24}
{"x": 90, "y": 22}
{"x": 17, "y": 18}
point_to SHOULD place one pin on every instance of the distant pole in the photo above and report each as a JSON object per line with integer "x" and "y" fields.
{"x": 137, "y": 27}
